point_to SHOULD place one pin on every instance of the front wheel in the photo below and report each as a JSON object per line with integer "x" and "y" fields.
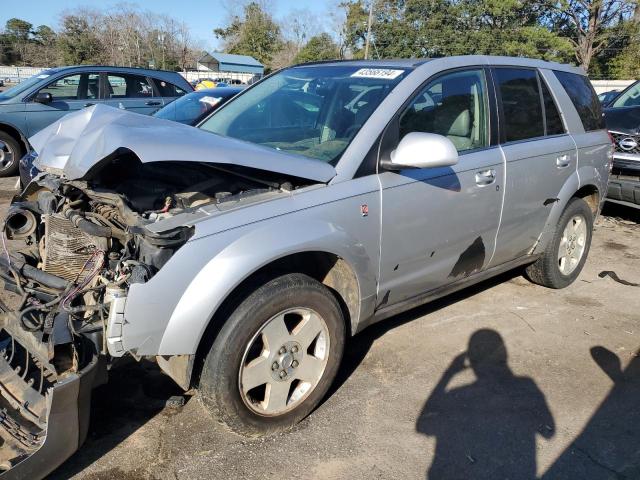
{"x": 10, "y": 153}
{"x": 567, "y": 251}
{"x": 275, "y": 357}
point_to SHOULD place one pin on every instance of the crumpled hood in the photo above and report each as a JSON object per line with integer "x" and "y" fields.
{"x": 74, "y": 144}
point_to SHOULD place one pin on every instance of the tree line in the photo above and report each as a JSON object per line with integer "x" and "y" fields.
{"x": 603, "y": 36}
{"x": 124, "y": 35}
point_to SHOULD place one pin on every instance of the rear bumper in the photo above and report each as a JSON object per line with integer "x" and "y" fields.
{"x": 40, "y": 427}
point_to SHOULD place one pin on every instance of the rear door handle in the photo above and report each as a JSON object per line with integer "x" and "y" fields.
{"x": 563, "y": 161}
{"x": 485, "y": 177}
{"x": 152, "y": 102}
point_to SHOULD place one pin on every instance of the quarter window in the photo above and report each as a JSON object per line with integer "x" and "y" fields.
{"x": 167, "y": 89}
{"x": 128, "y": 86}
{"x": 584, "y": 98}
{"x": 521, "y": 105}
{"x": 453, "y": 105}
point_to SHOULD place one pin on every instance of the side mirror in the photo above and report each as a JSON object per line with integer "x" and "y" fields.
{"x": 422, "y": 150}
{"x": 43, "y": 97}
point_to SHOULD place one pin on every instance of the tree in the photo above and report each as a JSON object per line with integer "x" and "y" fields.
{"x": 78, "y": 40}
{"x": 588, "y": 24}
{"x": 255, "y": 34}
{"x": 320, "y": 47}
{"x": 17, "y": 35}
{"x": 435, "y": 28}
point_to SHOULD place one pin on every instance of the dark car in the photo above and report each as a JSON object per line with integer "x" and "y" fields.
{"x": 623, "y": 122}
{"x": 37, "y": 102}
{"x": 192, "y": 108}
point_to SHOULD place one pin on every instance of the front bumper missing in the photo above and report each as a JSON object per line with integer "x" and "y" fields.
{"x": 44, "y": 417}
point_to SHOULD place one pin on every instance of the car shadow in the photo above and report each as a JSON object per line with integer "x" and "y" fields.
{"x": 136, "y": 392}
{"x": 359, "y": 345}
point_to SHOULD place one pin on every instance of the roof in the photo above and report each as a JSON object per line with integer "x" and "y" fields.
{"x": 229, "y": 62}
{"x": 469, "y": 59}
{"x": 165, "y": 75}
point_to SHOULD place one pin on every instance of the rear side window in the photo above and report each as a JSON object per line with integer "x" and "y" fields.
{"x": 521, "y": 106}
{"x": 552, "y": 116}
{"x": 128, "y": 86}
{"x": 584, "y": 98}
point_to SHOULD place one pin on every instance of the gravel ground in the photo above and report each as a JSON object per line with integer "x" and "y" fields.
{"x": 407, "y": 404}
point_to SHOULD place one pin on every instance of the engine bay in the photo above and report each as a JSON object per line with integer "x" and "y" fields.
{"x": 72, "y": 247}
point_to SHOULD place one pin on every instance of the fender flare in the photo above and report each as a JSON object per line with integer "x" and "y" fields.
{"x": 573, "y": 184}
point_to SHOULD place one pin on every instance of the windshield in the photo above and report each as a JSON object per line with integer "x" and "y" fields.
{"x": 314, "y": 111}
{"x": 194, "y": 106}
{"x": 24, "y": 85}
{"x": 630, "y": 98}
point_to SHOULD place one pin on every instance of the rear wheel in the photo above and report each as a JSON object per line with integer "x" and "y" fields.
{"x": 10, "y": 154}
{"x": 567, "y": 251}
{"x": 275, "y": 357}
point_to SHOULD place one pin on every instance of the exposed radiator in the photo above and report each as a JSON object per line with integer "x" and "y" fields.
{"x": 67, "y": 248}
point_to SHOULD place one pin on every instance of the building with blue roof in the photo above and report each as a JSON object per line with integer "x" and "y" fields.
{"x": 230, "y": 65}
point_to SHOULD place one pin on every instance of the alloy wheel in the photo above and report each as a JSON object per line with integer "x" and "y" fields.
{"x": 284, "y": 362}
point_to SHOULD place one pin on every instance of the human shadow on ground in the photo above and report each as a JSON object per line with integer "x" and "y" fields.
{"x": 486, "y": 429}
{"x": 609, "y": 445}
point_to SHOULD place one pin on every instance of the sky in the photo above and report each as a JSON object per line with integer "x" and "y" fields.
{"x": 202, "y": 16}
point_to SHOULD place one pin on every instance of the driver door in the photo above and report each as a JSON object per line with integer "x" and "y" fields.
{"x": 439, "y": 225}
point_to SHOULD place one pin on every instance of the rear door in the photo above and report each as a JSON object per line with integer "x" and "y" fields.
{"x": 135, "y": 93}
{"x": 439, "y": 224}
{"x": 69, "y": 93}
{"x": 540, "y": 157}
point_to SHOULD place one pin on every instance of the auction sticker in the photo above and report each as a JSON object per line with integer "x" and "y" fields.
{"x": 383, "y": 73}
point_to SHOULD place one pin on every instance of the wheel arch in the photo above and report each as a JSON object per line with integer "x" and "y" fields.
{"x": 328, "y": 268}
{"x": 573, "y": 188}
{"x": 591, "y": 195}
{"x": 15, "y": 133}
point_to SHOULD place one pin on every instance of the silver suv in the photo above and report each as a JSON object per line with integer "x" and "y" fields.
{"x": 243, "y": 253}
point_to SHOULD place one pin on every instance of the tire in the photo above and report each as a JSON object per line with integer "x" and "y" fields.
{"x": 10, "y": 155}
{"x": 243, "y": 355}
{"x": 557, "y": 268}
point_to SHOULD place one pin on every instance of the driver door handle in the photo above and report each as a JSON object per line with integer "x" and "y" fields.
{"x": 152, "y": 102}
{"x": 485, "y": 177}
{"x": 89, "y": 104}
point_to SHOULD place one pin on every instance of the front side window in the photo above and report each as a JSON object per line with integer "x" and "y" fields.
{"x": 453, "y": 105}
{"x": 584, "y": 99}
{"x": 521, "y": 106}
{"x": 81, "y": 86}
{"x": 128, "y": 86}
{"x": 630, "y": 98}
{"x": 313, "y": 111}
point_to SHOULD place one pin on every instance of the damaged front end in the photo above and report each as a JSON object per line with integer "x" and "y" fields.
{"x": 71, "y": 249}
